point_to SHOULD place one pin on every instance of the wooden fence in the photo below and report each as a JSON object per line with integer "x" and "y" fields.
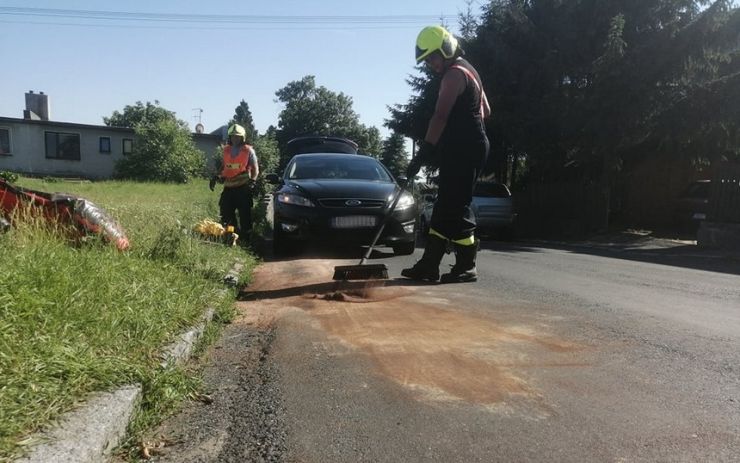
{"x": 724, "y": 197}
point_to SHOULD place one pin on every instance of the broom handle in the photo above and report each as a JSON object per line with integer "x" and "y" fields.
{"x": 387, "y": 217}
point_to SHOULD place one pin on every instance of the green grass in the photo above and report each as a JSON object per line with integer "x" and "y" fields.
{"x": 75, "y": 319}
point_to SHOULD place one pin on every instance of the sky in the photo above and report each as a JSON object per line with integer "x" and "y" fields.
{"x": 92, "y": 67}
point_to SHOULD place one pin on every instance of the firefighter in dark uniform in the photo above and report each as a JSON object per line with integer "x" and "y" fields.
{"x": 240, "y": 170}
{"x": 456, "y": 138}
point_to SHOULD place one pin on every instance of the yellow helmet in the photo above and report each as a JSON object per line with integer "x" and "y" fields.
{"x": 237, "y": 129}
{"x": 435, "y": 38}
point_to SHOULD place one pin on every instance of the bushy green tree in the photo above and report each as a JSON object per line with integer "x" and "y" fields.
{"x": 266, "y": 147}
{"x": 315, "y": 110}
{"x": 369, "y": 140}
{"x": 140, "y": 112}
{"x": 163, "y": 151}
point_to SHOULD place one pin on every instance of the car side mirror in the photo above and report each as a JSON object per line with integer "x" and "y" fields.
{"x": 402, "y": 179}
{"x": 272, "y": 178}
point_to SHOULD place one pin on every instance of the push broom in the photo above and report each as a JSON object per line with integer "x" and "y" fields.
{"x": 371, "y": 271}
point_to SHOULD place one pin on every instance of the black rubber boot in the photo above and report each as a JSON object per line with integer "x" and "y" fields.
{"x": 464, "y": 269}
{"x": 427, "y": 268}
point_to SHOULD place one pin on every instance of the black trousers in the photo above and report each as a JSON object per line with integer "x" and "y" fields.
{"x": 237, "y": 200}
{"x": 460, "y": 167}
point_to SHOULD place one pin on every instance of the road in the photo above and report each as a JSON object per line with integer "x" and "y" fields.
{"x": 555, "y": 354}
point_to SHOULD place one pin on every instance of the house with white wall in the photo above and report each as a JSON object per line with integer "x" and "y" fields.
{"x": 35, "y": 145}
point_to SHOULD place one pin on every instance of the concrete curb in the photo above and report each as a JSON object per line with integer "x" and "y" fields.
{"x": 180, "y": 350}
{"x": 232, "y": 277}
{"x": 88, "y": 434}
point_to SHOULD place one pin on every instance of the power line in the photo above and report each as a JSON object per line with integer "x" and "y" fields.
{"x": 298, "y": 20}
{"x": 259, "y": 27}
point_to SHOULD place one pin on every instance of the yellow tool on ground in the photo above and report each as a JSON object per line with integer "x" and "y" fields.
{"x": 214, "y": 230}
{"x": 210, "y": 228}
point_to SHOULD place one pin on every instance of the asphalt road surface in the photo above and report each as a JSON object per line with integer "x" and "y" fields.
{"x": 555, "y": 354}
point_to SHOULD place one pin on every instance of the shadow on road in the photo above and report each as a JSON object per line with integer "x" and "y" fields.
{"x": 327, "y": 287}
{"x": 678, "y": 255}
{"x": 641, "y": 249}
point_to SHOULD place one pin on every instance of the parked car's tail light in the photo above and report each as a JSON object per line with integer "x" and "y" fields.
{"x": 295, "y": 200}
{"x": 404, "y": 202}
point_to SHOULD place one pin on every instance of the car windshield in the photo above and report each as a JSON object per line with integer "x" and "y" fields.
{"x": 339, "y": 167}
{"x": 491, "y": 190}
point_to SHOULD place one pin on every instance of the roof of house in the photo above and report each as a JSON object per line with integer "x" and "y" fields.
{"x": 86, "y": 126}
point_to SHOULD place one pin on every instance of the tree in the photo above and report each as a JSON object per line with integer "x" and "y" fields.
{"x": 163, "y": 151}
{"x": 243, "y": 117}
{"x": 138, "y": 113}
{"x": 315, "y": 110}
{"x": 394, "y": 155}
{"x": 163, "y": 145}
{"x": 266, "y": 147}
{"x": 468, "y": 21}
{"x": 412, "y": 118}
{"x": 585, "y": 88}
{"x": 268, "y": 156}
{"x": 368, "y": 138}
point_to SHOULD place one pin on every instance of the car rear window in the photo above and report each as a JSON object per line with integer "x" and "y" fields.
{"x": 491, "y": 190}
{"x": 331, "y": 167}
{"x": 320, "y": 145}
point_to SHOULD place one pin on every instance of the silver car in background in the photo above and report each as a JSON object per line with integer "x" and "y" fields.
{"x": 493, "y": 207}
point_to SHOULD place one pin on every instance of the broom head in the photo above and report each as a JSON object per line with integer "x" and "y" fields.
{"x": 361, "y": 272}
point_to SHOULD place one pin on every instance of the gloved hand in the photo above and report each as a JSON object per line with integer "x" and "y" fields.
{"x": 423, "y": 156}
{"x": 212, "y": 183}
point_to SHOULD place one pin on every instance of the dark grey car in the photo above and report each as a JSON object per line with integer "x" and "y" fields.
{"x": 339, "y": 198}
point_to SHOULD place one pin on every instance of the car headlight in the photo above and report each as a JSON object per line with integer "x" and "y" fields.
{"x": 295, "y": 200}
{"x": 404, "y": 202}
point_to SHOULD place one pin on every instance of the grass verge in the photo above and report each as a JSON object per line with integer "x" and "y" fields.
{"x": 79, "y": 319}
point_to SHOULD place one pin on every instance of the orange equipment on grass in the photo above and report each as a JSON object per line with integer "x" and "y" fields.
{"x": 85, "y": 216}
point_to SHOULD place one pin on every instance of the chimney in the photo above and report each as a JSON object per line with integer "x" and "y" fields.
{"x": 37, "y": 106}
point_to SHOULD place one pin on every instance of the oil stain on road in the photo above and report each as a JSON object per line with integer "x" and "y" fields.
{"x": 416, "y": 336}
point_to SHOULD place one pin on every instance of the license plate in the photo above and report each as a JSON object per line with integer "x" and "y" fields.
{"x": 354, "y": 221}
